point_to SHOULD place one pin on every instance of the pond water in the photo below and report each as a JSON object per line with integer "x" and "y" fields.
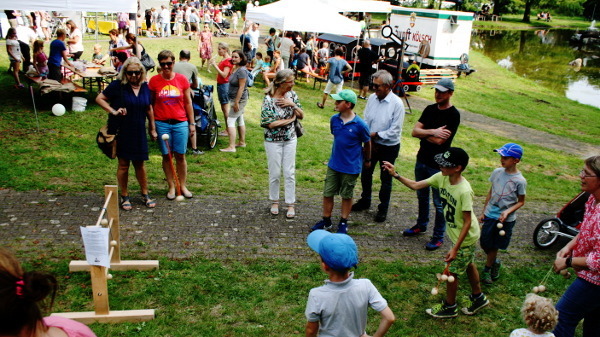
{"x": 544, "y": 56}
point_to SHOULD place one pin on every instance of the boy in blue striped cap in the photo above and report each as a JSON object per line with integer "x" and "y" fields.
{"x": 339, "y": 308}
{"x": 504, "y": 198}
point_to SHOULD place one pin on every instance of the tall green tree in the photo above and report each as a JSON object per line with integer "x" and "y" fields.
{"x": 527, "y": 13}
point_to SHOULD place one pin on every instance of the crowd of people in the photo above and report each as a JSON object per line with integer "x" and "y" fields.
{"x": 163, "y": 102}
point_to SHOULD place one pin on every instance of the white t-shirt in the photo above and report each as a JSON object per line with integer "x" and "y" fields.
{"x": 527, "y": 333}
{"x": 254, "y": 35}
{"x": 286, "y": 43}
{"x": 76, "y": 47}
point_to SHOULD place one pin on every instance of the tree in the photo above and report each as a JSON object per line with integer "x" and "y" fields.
{"x": 527, "y": 12}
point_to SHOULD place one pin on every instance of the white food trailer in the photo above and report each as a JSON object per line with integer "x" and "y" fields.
{"x": 448, "y": 33}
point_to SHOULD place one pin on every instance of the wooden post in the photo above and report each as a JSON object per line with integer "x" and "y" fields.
{"x": 100, "y": 289}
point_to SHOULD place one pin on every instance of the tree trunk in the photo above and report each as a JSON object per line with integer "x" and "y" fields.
{"x": 527, "y": 12}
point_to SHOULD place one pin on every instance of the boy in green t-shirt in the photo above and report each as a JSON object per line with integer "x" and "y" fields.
{"x": 462, "y": 228}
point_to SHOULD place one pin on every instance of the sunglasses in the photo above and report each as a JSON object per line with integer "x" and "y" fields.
{"x": 133, "y": 72}
{"x": 165, "y": 64}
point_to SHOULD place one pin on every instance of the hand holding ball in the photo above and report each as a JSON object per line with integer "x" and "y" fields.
{"x": 165, "y": 136}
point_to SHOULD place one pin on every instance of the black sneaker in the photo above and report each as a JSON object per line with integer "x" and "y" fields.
{"x": 475, "y": 304}
{"x": 361, "y": 205}
{"x": 323, "y": 224}
{"x": 414, "y": 230}
{"x": 443, "y": 310}
{"x": 496, "y": 270}
{"x": 486, "y": 278}
{"x": 380, "y": 216}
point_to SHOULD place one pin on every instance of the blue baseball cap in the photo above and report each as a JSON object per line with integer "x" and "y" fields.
{"x": 510, "y": 150}
{"x": 338, "y": 251}
{"x": 444, "y": 85}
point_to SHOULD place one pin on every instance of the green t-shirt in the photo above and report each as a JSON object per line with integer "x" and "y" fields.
{"x": 456, "y": 199}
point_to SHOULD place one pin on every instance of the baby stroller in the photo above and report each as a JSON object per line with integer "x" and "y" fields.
{"x": 220, "y": 29}
{"x": 207, "y": 125}
{"x": 565, "y": 224}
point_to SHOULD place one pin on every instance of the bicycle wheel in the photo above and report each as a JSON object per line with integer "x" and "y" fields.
{"x": 544, "y": 234}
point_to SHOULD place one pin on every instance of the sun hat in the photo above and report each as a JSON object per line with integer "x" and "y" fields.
{"x": 345, "y": 95}
{"x": 510, "y": 150}
{"x": 444, "y": 85}
{"x": 337, "y": 250}
{"x": 452, "y": 157}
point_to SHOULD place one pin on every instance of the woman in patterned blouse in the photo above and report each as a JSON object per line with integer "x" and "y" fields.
{"x": 280, "y": 110}
{"x": 582, "y": 298}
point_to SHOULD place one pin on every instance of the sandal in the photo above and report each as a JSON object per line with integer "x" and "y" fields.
{"x": 150, "y": 203}
{"x": 291, "y": 212}
{"x": 275, "y": 208}
{"x": 171, "y": 196}
{"x": 126, "y": 203}
{"x": 320, "y": 105}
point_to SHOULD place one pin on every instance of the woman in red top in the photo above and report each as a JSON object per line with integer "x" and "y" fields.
{"x": 174, "y": 115}
{"x": 223, "y": 72}
{"x": 582, "y": 298}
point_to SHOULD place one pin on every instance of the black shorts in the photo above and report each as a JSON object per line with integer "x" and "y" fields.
{"x": 194, "y": 26}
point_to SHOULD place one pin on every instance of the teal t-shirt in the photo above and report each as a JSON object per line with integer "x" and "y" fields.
{"x": 456, "y": 199}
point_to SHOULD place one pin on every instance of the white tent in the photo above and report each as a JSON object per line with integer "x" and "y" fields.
{"x": 361, "y": 6}
{"x": 303, "y": 16}
{"x": 112, "y": 6}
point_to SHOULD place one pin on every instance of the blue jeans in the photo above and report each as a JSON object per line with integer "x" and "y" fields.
{"x": 580, "y": 301}
{"x": 423, "y": 172}
{"x": 379, "y": 154}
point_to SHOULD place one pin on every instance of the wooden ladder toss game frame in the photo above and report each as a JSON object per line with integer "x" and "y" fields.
{"x": 100, "y": 275}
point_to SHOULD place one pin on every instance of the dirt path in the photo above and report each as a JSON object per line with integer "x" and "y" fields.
{"x": 513, "y": 131}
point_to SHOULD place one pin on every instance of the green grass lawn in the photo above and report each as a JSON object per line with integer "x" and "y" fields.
{"x": 515, "y": 21}
{"x": 198, "y": 297}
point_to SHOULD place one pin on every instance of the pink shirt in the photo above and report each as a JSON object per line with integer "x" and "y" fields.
{"x": 169, "y": 102}
{"x": 70, "y": 327}
{"x": 588, "y": 242}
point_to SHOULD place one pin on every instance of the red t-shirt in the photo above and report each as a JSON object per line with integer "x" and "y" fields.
{"x": 168, "y": 97}
{"x": 226, "y": 63}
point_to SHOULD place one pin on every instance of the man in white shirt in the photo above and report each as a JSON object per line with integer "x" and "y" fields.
{"x": 384, "y": 114}
{"x": 254, "y": 34}
{"x": 165, "y": 20}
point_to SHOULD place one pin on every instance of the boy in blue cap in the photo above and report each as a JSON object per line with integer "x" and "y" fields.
{"x": 349, "y": 133}
{"x": 339, "y": 308}
{"x": 504, "y": 198}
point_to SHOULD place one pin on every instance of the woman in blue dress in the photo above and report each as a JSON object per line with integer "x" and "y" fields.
{"x": 128, "y": 103}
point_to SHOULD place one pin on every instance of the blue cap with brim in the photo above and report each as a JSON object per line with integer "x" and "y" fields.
{"x": 510, "y": 150}
{"x": 338, "y": 251}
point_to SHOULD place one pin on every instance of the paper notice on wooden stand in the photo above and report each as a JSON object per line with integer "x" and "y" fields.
{"x": 95, "y": 241}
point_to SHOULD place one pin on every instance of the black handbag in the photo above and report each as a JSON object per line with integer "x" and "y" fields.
{"x": 299, "y": 128}
{"x": 107, "y": 143}
{"x": 147, "y": 61}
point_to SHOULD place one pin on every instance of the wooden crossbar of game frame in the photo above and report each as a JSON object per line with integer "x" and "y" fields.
{"x": 100, "y": 276}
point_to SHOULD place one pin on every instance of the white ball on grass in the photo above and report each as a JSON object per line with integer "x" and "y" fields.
{"x": 536, "y": 289}
{"x": 180, "y": 198}
{"x": 444, "y": 277}
{"x": 434, "y": 291}
{"x": 542, "y": 288}
{"x": 109, "y": 276}
{"x": 165, "y": 136}
{"x": 58, "y": 109}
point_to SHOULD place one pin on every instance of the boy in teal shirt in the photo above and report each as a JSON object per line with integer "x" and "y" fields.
{"x": 462, "y": 228}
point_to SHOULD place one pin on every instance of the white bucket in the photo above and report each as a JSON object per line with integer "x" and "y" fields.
{"x": 79, "y": 103}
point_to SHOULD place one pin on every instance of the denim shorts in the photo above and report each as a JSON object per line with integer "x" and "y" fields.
{"x": 223, "y": 93}
{"x": 339, "y": 183}
{"x": 490, "y": 237}
{"x": 178, "y": 136}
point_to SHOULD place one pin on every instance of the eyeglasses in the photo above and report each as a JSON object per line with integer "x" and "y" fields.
{"x": 376, "y": 86}
{"x": 165, "y": 64}
{"x": 582, "y": 174}
{"x": 133, "y": 72}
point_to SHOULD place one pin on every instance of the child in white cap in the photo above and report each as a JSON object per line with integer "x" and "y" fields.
{"x": 339, "y": 308}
